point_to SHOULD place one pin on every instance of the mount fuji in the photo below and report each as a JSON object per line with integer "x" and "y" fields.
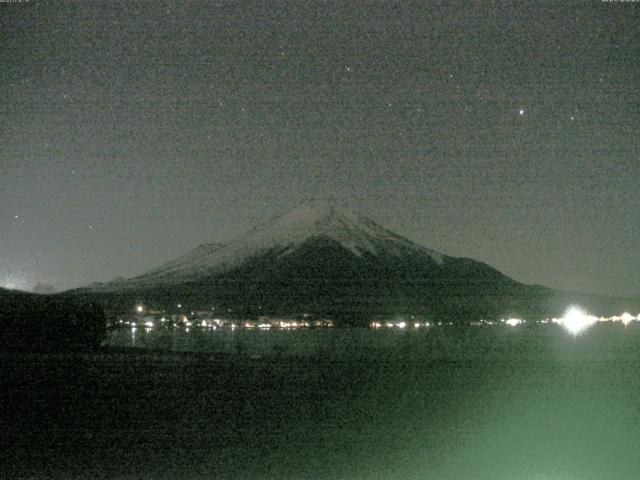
{"x": 313, "y": 222}
{"x": 327, "y": 261}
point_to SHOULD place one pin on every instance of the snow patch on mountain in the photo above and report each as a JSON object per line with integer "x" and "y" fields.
{"x": 189, "y": 262}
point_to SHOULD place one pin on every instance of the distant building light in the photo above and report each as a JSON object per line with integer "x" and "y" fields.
{"x": 626, "y": 318}
{"x": 576, "y": 321}
{"x": 513, "y": 322}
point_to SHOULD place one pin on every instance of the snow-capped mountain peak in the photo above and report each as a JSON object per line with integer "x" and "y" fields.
{"x": 287, "y": 232}
{"x": 323, "y": 218}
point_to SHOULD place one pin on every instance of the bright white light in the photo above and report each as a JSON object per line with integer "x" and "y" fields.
{"x": 149, "y": 324}
{"x": 512, "y": 322}
{"x": 402, "y": 324}
{"x": 576, "y": 320}
{"x": 626, "y": 317}
{"x": 139, "y": 309}
{"x": 521, "y": 111}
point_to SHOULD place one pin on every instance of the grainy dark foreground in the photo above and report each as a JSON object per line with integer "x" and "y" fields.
{"x": 526, "y": 404}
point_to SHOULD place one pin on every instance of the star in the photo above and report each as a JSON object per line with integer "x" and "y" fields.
{"x": 521, "y": 111}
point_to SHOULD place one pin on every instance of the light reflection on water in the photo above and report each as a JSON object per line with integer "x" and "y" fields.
{"x": 448, "y": 342}
{"x": 445, "y": 403}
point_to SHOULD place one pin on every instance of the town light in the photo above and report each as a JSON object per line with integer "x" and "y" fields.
{"x": 512, "y": 322}
{"x": 626, "y": 317}
{"x": 576, "y": 321}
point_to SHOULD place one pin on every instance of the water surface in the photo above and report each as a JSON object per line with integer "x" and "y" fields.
{"x": 444, "y": 403}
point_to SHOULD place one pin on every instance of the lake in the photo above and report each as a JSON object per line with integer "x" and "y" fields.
{"x": 528, "y": 402}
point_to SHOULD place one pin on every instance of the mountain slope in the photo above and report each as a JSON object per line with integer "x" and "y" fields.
{"x": 30, "y": 321}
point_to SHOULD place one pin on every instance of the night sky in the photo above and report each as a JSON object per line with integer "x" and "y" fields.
{"x": 506, "y": 132}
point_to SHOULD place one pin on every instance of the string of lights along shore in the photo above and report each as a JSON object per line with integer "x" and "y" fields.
{"x": 133, "y": 132}
{"x": 575, "y": 321}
